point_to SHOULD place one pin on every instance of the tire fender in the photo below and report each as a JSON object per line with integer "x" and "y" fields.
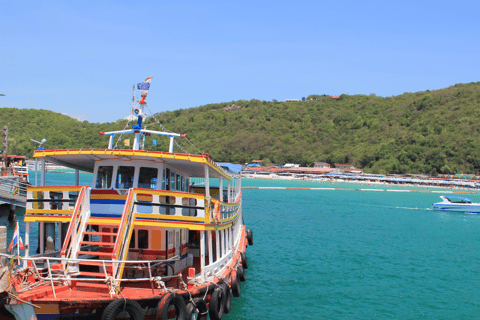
{"x": 235, "y": 284}
{"x": 250, "y": 237}
{"x": 200, "y": 305}
{"x": 217, "y": 304}
{"x": 244, "y": 260}
{"x": 119, "y": 305}
{"x": 228, "y": 297}
{"x": 241, "y": 274}
{"x": 168, "y": 300}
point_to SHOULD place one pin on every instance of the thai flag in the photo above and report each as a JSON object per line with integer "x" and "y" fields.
{"x": 17, "y": 240}
{"x": 145, "y": 85}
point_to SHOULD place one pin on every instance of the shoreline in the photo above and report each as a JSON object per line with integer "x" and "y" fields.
{"x": 365, "y": 183}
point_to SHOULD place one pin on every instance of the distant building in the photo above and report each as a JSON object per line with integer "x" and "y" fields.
{"x": 335, "y": 97}
{"x": 292, "y": 100}
{"x": 321, "y": 165}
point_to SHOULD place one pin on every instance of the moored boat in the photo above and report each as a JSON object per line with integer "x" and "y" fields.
{"x": 142, "y": 242}
{"x": 456, "y": 204}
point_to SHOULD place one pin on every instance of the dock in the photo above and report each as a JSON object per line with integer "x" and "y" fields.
{"x": 13, "y": 191}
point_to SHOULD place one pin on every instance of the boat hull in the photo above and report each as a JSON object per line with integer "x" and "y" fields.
{"x": 465, "y": 208}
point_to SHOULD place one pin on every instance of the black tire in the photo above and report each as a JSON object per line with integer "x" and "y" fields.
{"x": 115, "y": 307}
{"x": 244, "y": 260}
{"x": 169, "y": 300}
{"x": 250, "y": 237}
{"x": 201, "y": 305}
{"x": 228, "y": 297}
{"x": 236, "y": 289}
{"x": 217, "y": 304}
{"x": 241, "y": 274}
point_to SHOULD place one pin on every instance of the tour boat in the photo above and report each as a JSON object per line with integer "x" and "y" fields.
{"x": 456, "y": 204}
{"x": 157, "y": 235}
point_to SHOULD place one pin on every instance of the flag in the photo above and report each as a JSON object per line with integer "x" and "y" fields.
{"x": 17, "y": 240}
{"x": 126, "y": 142}
{"x": 154, "y": 142}
{"x": 145, "y": 85}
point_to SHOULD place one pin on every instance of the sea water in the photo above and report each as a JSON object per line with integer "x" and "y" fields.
{"x": 349, "y": 254}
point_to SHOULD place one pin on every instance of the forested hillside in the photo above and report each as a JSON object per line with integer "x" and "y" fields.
{"x": 432, "y": 131}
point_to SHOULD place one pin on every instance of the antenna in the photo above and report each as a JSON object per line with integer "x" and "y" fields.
{"x": 40, "y": 143}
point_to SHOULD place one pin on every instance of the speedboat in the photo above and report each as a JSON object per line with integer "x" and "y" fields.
{"x": 456, "y": 204}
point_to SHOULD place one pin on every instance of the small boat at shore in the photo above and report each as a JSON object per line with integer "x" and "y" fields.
{"x": 456, "y": 204}
{"x": 157, "y": 235}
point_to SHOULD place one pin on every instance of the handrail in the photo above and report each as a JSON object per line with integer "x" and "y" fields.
{"x": 125, "y": 245}
{"x": 72, "y": 225}
{"x": 80, "y": 216}
{"x": 148, "y": 264}
{"x": 118, "y": 249}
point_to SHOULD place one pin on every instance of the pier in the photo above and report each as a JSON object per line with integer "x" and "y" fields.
{"x": 13, "y": 192}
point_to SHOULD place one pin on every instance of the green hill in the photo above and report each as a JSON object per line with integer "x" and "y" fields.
{"x": 430, "y": 132}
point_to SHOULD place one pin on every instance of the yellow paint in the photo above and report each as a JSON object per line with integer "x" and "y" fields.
{"x": 168, "y": 194}
{"x": 55, "y": 188}
{"x": 26, "y": 218}
{"x": 169, "y": 217}
{"x": 132, "y": 153}
{"x": 104, "y": 221}
{"x": 108, "y": 196}
{"x": 45, "y": 211}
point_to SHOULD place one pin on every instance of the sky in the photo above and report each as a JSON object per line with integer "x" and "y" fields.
{"x": 82, "y": 58}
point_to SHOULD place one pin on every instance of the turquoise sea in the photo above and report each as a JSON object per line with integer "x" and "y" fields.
{"x": 330, "y": 254}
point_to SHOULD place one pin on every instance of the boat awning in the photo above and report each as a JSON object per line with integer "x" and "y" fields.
{"x": 84, "y": 159}
{"x": 235, "y": 168}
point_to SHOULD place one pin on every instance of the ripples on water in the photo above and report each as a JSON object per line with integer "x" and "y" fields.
{"x": 357, "y": 255}
{"x": 321, "y": 254}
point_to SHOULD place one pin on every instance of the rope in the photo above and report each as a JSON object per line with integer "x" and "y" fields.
{"x": 113, "y": 286}
{"x": 121, "y": 134}
{"x": 166, "y": 130}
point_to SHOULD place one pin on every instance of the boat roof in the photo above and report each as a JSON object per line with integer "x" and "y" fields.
{"x": 457, "y": 198}
{"x": 235, "y": 168}
{"x": 85, "y": 159}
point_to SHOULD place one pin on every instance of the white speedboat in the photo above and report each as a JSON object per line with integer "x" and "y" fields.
{"x": 456, "y": 204}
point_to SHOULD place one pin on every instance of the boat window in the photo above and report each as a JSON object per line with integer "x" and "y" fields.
{"x": 187, "y": 184}
{"x": 183, "y": 184}
{"x": 163, "y": 180}
{"x": 132, "y": 240}
{"x": 104, "y": 177}
{"x": 143, "y": 239}
{"x": 125, "y": 177}
{"x": 148, "y": 178}
{"x": 179, "y": 184}
{"x": 172, "y": 181}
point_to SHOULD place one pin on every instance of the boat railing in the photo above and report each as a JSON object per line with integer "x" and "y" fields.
{"x": 125, "y": 231}
{"x": 171, "y": 203}
{"x": 50, "y": 270}
{"x": 217, "y": 266}
{"x": 52, "y": 201}
{"x": 192, "y": 206}
{"x": 228, "y": 210}
{"x": 80, "y": 216}
{"x": 13, "y": 186}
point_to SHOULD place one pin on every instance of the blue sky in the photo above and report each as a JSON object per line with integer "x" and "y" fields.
{"x": 82, "y": 57}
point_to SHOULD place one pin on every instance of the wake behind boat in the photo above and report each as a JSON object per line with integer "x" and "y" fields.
{"x": 456, "y": 204}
